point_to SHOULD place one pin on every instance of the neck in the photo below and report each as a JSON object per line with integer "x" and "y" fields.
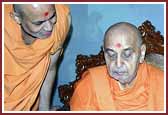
{"x": 126, "y": 85}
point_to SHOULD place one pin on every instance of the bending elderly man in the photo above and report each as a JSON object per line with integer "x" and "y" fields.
{"x": 126, "y": 82}
{"x": 34, "y": 36}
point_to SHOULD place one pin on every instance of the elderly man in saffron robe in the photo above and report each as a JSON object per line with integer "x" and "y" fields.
{"x": 126, "y": 82}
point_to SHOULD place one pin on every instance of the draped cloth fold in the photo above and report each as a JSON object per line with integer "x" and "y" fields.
{"x": 26, "y": 66}
{"x": 98, "y": 91}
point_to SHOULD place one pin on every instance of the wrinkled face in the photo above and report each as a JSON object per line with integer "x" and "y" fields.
{"x": 122, "y": 55}
{"x": 38, "y": 20}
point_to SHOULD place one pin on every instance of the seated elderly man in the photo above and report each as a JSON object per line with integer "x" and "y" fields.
{"x": 126, "y": 82}
{"x": 34, "y": 35}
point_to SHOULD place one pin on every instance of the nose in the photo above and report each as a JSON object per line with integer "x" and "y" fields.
{"x": 119, "y": 62}
{"x": 48, "y": 26}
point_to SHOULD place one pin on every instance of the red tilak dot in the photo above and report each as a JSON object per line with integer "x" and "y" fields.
{"x": 118, "y": 45}
{"x": 46, "y": 14}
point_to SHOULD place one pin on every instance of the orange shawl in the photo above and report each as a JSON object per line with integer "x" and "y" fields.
{"x": 98, "y": 91}
{"x": 26, "y": 65}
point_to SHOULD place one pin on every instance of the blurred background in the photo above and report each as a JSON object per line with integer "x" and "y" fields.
{"x": 89, "y": 23}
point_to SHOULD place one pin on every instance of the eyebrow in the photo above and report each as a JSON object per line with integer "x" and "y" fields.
{"x": 108, "y": 49}
{"x": 41, "y": 21}
{"x": 129, "y": 49}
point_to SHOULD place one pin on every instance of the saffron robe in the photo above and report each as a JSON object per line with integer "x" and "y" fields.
{"x": 98, "y": 91}
{"x": 26, "y": 66}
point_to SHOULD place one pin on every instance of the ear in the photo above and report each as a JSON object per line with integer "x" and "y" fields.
{"x": 143, "y": 51}
{"x": 16, "y": 17}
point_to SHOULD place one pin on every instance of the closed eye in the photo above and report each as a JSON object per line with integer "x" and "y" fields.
{"x": 127, "y": 53}
{"x": 111, "y": 53}
{"x": 38, "y": 23}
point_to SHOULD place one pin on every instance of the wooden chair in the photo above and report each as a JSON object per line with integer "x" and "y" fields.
{"x": 153, "y": 40}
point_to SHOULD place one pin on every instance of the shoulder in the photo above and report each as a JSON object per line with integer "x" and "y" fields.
{"x": 156, "y": 76}
{"x": 156, "y": 72}
{"x": 156, "y": 85}
{"x": 82, "y": 90}
{"x": 92, "y": 72}
{"x": 86, "y": 83}
{"x": 98, "y": 70}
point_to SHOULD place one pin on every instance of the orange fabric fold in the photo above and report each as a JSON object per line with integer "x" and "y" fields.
{"x": 98, "y": 91}
{"x": 26, "y": 66}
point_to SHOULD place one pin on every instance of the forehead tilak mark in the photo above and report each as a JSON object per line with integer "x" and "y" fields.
{"x": 118, "y": 45}
{"x": 46, "y": 14}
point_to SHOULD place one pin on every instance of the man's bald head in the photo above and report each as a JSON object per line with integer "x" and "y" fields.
{"x": 123, "y": 51}
{"x": 36, "y": 20}
{"x": 31, "y": 9}
{"x": 125, "y": 30}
